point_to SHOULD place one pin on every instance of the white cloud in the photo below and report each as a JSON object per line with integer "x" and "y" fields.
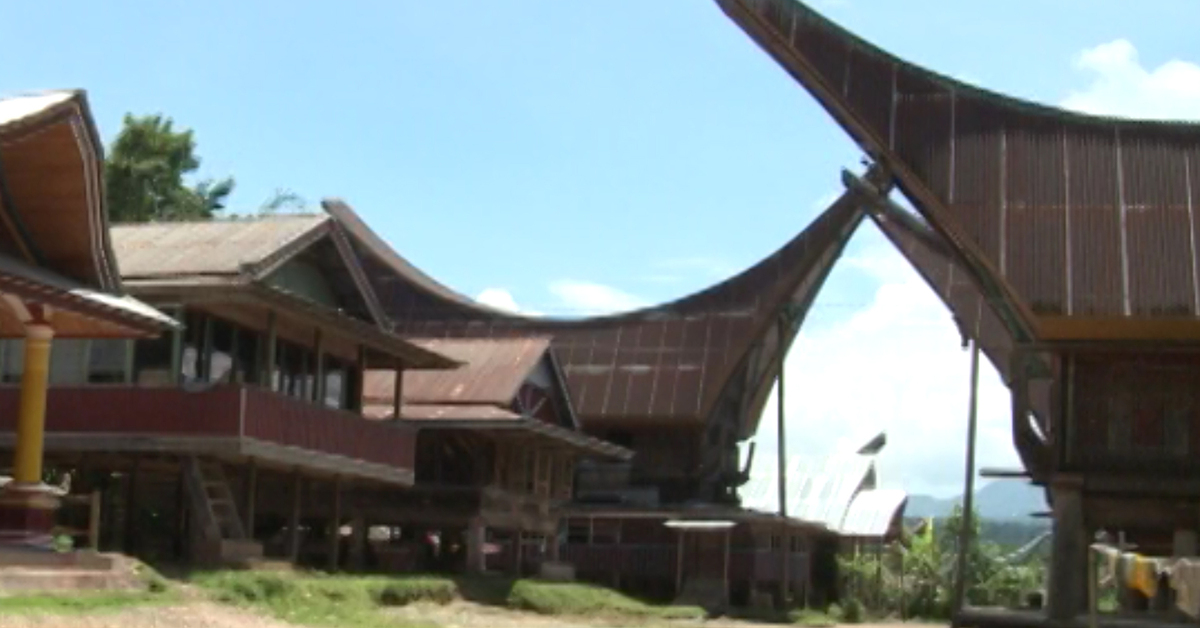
{"x": 502, "y": 299}
{"x": 1122, "y": 86}
{"x": 893, "y": 364}
{"x": 582, "y": 298}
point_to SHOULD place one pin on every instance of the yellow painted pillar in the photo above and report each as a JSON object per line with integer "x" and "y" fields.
{"x": 31, "y": 417}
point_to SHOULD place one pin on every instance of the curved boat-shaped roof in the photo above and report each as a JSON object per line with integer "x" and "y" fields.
{"x": 679, "y": 362}
{"x": 1071, "y": 215}
{"x": 51, "y": 188}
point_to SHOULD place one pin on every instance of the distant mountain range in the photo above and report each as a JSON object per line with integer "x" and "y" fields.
{"x": 996, "y": 500}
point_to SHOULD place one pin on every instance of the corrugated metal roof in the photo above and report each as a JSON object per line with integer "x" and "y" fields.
{"x": 433, "y": 413}
{"x": 872, "y": 512}
{"x": 671, "y": 362}
{"x": 824, "y": 488}
{"x": 1067, "y": 214}
{"x": 492, "y": 372}
{"x": 39, "y": 283}
{"x": 821, "y": 490}
{"x": 215, "y": 247}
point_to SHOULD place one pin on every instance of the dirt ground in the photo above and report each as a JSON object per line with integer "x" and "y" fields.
{"x": 459, "y": 615}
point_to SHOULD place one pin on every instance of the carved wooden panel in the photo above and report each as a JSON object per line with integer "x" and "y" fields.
{"x": 1138, "y": 408}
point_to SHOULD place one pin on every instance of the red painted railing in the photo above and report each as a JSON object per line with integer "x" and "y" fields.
{"x": 131, "y": 410}
{"x": 286, "y": 421}
{"x": 223, "y": 411}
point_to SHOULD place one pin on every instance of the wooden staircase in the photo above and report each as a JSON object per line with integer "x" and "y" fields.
{"x": 219, "y": 537}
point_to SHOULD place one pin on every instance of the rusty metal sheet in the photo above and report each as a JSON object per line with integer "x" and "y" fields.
{"x": 492, "y": 372}
{"x": 931, "y": 259}
{"x": 1079, "y": 215}
{"x": 442, "y": 412}
{"x": 211, "y": 247}
{"x": 667, "y": 363}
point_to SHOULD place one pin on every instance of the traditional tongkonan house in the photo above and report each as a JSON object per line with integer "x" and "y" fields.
{"x": 681, "y": 384}
{"x": 1065, "y": 245}
{"x": 497, "y": 445}
{"x": 58, "y": 282}
{"x": 242, "y": 433}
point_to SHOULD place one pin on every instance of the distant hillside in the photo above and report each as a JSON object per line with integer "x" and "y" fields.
{"x": 996, "y": 500}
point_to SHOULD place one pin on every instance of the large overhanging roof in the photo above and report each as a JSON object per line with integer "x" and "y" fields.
{"x": 51, "y": 187}
{"x": 1063, "y": 214}
{"x": 667, "y": 364}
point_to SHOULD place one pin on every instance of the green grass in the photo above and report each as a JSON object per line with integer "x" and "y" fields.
{"x": 570, "y": 598}
{"x": 359, "y": 602}
{"x": 79, "y": 602}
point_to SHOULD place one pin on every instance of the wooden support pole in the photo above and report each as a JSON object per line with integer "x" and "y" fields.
{"x": 335, "y": 527}
{"x": 679, "y": 564}
{"x": 358, "y": 541}
{"x": 968, "y": 522}
{"x": 94, "y": 521}
{"x": 784, "y": 545}
{"x": 318, "y": 391}
{"x": 272, "y": 345}
{"x": 31, "y": 409}
{"x": 251, "y": 497}
{"x": 725, "y": 576}
{"x": 131, "y": 509}
{"x": 398, "y": 391}
{"x": 175, "y": 375}
{"x": 294, "y": 521}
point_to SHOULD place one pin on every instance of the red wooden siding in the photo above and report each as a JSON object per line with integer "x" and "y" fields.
{"x": 218, "y": 413}
{"x": 296, "y": 423}
{"x": 126, "y": 410}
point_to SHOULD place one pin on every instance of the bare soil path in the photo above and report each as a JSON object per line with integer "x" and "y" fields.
{"x": 458, "y": 615}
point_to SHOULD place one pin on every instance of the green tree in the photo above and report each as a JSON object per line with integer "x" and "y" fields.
{"x": 917, "y": 579}
{"x": 145, "y": 174}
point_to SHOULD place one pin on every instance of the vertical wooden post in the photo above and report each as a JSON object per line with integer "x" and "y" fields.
{"x": 725, "y": 577}
{"x": 129, "y": 375}
{"x": 131, "y": 509}
{"x": 268, "y": 366}
{"x": 679, "y": 545}
{"x": 94, "y": 521}
{"x": 204, "y": 362}
{"x": 398, "y": 391}
{"x": 175, "y": 376}
{"x": 318, "y": 391}
{"x": 294, "y": 522}
{"x": 251, "y": 497}
{"x": 476, "y": 535}
{"x": 785, "y": 550}
{"x": 964, "y": 534}
{"x": 358, "y": 541}
{"x": 335, "y": 527}
{"x": 518, "y": 552}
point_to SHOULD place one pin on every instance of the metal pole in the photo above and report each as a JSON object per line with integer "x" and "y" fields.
{"x": 964, "y": 534}
{"x": 784, "y": 541}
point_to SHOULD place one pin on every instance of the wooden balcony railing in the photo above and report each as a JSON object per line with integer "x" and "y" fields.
{"x": 286, "y": 421}
{"x": 657, "y": 561}
{"x": 227, "y": 412}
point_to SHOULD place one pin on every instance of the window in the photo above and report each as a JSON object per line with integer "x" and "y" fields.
{"x": 335, "y": 383}
{"x": 13, "y": 361}
{"x": 192, "y": 365}
{"x": 248, "y": 363}
{"x": 152, "y": 360}
{"x": 222, "y": 344}
{"x": 68, "y": 362}
{"x": 106, "y": 361}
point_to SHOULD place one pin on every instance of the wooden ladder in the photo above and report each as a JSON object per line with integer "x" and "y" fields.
{"x": 213, "y": 500}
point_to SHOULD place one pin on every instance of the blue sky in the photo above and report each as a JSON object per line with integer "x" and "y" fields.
{"x": 581, "y": 156}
